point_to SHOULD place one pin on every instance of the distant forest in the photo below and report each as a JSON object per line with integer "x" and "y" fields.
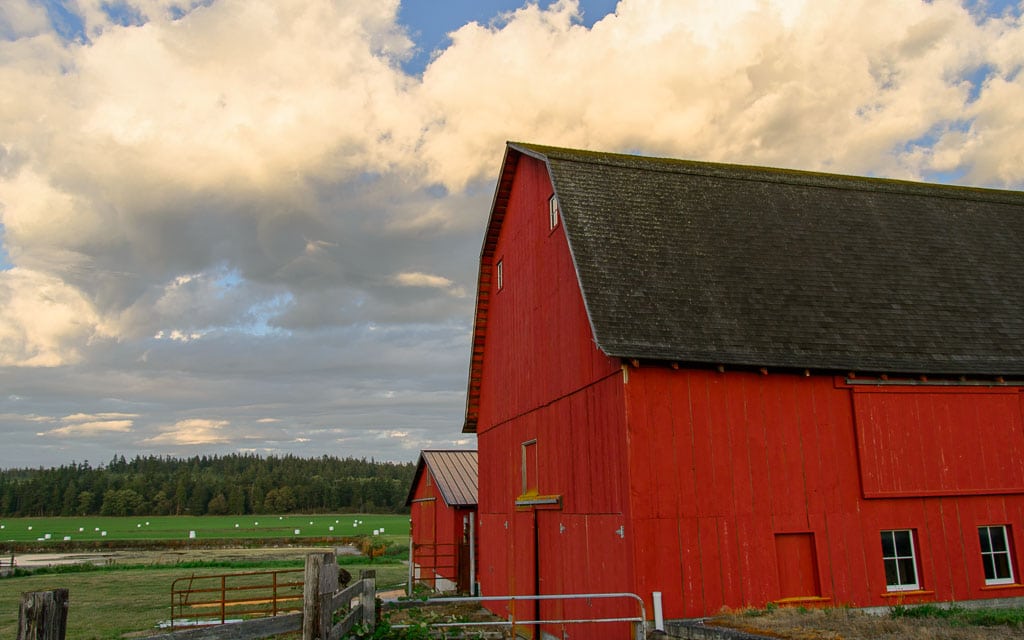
{"x": 201, "y": 485}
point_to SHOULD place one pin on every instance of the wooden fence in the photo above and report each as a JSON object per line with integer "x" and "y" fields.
{"x": 43, "y": 615}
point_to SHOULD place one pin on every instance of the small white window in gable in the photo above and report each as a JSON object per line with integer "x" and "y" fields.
{"x": 553, "y": 211}
{"x": 499, "y": 274}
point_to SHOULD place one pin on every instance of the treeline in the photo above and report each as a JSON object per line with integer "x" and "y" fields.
{"x": 201, "y": 485}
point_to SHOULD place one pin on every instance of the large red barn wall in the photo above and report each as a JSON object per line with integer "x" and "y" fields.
{"x": 721, "y": 463}
{"x": 543, "y": 379}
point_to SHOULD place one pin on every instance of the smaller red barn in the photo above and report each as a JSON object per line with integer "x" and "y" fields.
{"x": 442, "y": 501}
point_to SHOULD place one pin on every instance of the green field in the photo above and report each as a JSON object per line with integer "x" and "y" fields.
{"x": 251, "y": 527}
{"x": 118, "y": 598}
{"x": 111, "y": 602}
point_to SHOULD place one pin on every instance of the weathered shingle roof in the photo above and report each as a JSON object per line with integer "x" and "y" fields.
{"x": 454, "y": 473}
{"x": 724, "y": 264}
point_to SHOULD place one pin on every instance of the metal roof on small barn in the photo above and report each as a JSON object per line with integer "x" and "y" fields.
{"x": 725, "y": 264}
{"x": 454, "y": 473}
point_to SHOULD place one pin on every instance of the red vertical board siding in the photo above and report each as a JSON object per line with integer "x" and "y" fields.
{"x": 912, "y": 441}
{"x": 761, "y": 455}
{"x": 538, "y": 343}
{"x": 542, "y": 378}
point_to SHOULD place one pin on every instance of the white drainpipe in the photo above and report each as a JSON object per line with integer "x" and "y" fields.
{"x": 659, "y": 616}
{"x": 472, "y": 553}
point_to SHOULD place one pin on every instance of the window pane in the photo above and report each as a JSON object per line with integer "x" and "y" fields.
{"x": 1002, "y": 570}
{"x": 998, "y": 538}
{"x": 908, "y": 573}
{"x": 891, "y": 575}
{"x": 990, "y": 570}
{"x": 903, "y": 546}
{"x": 986, "y": 546}
{"x": 888, "y": 547}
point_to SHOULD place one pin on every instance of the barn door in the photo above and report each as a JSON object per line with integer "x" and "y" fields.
{"x": 425, "y": 549}
{"x": 462, "y": 583}
{"x": 526, "y": 566}
{"x": 798, "y": 565}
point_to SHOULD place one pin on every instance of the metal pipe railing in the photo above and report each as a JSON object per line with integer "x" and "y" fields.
{"x": 638, "y": 621}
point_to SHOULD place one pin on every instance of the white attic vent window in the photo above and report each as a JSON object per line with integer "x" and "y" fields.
{"x": 499, "y": 275}
{"x": 553, "y": 211}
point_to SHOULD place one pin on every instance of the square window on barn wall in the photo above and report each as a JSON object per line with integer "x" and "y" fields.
{"x": 552, "y": 212}
{"x": 900, "y": 560}
{"x": 995, "y": 554}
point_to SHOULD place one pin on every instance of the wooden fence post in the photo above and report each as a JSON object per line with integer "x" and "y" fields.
{"x": 368, "y": 597}
{"x": 43, "y": 615}
{"x": 321, "y": 581}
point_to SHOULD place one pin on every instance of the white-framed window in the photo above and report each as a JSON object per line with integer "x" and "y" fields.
{"x": 499, "y": 274}
{"x": 900, "y": 560}
{"x": 553, "y": 212}
{"x": 995, "y": 554}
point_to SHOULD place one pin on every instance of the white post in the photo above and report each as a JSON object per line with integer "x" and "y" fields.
{"x": 472, "y": 554}
{"x": 408, "y": 585}
{"x": 659, "y": 616}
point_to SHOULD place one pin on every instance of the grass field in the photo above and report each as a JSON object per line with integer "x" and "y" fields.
{"x": 114, "y": 601}
{"x": 133, "y": 596}
{"x": 252, "y": 527}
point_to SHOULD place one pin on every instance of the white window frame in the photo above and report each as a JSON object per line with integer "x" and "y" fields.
{"x": 553, "y": 214}
{"x": 988, "y": 558}
{"x": 499, "y": 274}
{"x": 898, "y": 559}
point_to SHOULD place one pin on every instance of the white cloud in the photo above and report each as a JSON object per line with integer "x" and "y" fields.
{"x": 194, "y": 431}
{"x": 85, "y": 424}
{"x": 426, "y": 280}
{"x": 819, "y": 85}
{"x": 44, "y": 321}
{"x": 20, "y": 18}
{"x": 91, "y": 428}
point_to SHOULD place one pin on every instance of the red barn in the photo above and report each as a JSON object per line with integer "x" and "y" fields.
{"x": 736, "y": 385}
{"x": 443, "y": 505}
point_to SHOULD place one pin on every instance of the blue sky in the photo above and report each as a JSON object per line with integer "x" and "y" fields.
{"x": 253, "y": 225}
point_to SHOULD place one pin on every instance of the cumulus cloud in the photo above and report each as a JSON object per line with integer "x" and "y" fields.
{"x": 247, "y": 209}
{"x": 821, "y": 85}
{"x": 45, "y": 322}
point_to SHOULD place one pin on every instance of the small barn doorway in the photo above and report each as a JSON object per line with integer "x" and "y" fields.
{"x": 798, "y": 565}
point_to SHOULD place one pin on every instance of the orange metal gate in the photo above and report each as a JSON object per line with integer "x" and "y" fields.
{"x": 217, "y": 599}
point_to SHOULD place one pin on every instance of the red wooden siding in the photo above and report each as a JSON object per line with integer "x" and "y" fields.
{"x": 912, "y": 442}
{"x": 729, "y": 472}
{"x": 544, "y": 380}
{"x": 538, "y": 345}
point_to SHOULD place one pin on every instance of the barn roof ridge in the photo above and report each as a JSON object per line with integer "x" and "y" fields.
{"x": 763, "y": 173}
